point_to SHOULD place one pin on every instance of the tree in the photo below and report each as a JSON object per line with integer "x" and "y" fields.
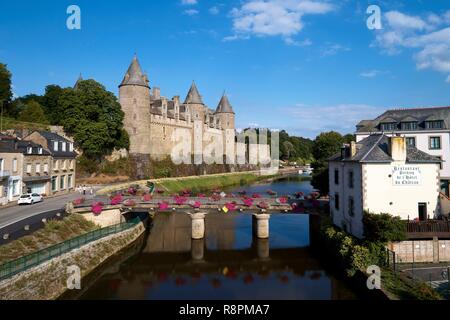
{"x": 5, "y": 86}
{"x": 288, "y": 149}
{"x": 51, "y": 104}
{"x": 33, "y": 112}
{"x": 325, "y": 145}
{"x": 94, "y": 117}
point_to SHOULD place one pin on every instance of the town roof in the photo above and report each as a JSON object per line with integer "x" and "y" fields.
{"x": 50, "y": 136}
{"x": 407, "y": 115}
{"x": 21, "y": 146}
{"x": 375, "y": 149}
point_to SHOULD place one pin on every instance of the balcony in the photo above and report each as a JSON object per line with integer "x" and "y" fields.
{"x": 428, "y": 229}
{"x": 4, "y": 174}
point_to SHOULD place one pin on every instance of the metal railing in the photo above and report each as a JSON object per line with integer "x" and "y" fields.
{"x": 24, "y": 263}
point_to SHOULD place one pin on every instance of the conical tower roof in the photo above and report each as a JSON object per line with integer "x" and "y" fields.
{"x": 193, "y": 95}
{"x": 224, "y": 105}
{"x": 80, "y": 78}
{"x": 134, "y": 75}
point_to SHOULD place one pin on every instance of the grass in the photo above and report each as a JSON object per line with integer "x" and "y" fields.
{"x": 205, "y": 183}
{"x": 10, "y": 123}
{"x": 54, "y": 232}
{"x": 400, "y": 287}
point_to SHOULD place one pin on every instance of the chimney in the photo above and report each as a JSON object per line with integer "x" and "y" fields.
{"x": 352, "y": 149}
{"x": 156, "y": 93}
{"x": 398, "y": 148}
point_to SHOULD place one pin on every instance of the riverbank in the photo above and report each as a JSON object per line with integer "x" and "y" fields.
{"x": 353, "y": 257}
{"x": 48, "y": 280}
{"x": 196, "y": 183}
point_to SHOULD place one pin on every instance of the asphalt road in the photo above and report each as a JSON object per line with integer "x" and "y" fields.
{"x": 16, "y": 213}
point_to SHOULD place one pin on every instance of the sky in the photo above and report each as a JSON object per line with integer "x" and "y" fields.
{"x": 305, "y": 66}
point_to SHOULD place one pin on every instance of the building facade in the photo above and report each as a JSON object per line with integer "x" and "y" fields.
{"x": 381, "y": 174}
{"x": 428, "y": 129}
{"x": 62, "y": 167}
{"x": 151, "y": 119}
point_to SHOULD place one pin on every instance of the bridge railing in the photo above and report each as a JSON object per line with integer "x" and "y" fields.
{"x": 24, "y": 263}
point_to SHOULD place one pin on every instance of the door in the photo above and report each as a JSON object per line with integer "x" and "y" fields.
{"x": 422, "y": 211}
{"x": 38, "y": 188}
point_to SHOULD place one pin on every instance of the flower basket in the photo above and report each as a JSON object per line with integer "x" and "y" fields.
{"x": 147, "y": 197}
{"x": 248, "y": 202}
{"x": 117, "y": 199}
{"x": 163, "y": 206}
{"x": 129, "y": 203}
{"x": 97, "y": 208}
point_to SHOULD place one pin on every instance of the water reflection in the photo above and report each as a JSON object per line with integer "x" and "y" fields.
{"x": 228, "y": 264}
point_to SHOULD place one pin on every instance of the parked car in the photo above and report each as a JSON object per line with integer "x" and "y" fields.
{"x": 30, "y": 198}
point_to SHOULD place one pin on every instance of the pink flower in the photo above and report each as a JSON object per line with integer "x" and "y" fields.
{"x": 248, "y": 202}
{"x": 79, "y": 201}
{"x": 163, "y": 206}
{"x": 256, "y": 196}
{"x": 283, "y": 200}
{"x": 117, "y": 199}
{"x": 97, "y": 208}
{"x": 215, "y": 197}
{"x": 201, "y": 195}
{"x": 230, "y": 206}
{"x": 195, "y": 204}
{"x": 263, "y": 205}
{"x": 132, "y": 191}
{"x": 147, "y": 197}
{"x": 180, "y": 200}
{"x": 129, "y": 203}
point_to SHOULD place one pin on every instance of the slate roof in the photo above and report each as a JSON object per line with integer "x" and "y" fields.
{"x": 50, "y": 137}
{"x": 193, "y": 95}
{"x": 406, "y": 115}
{"x": 21, "y": 146}
{"x": 224, "y": 105}
{"x": 134, "y": 75}
{"x": 375, "y": 149}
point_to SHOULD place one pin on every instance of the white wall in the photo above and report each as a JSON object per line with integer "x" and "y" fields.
{"x": 342, "y": 217}
{"x": 422, "y": 143}
{"x": 382, "y": 196}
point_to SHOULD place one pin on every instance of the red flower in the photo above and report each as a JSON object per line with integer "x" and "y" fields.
{"x": 147, "y": 197}
{"x": 263, "y": 205}
{"x": 215, "y": 197}
{"x": 256, "y": 196}
{"x": 129, "y": 203}
{"x": 132, "y": 191}
{"x": 97, "y": 208}
{"x": 201, "y": 195}
{"x": 248, "y": 202}
{"x": 180, "y": 200}
{"x": 195, "y": 204}
{"x": 79, "y": 201}
{"x": 283, "y": 200}
{"x": 163, "y": 206}
{"x": 117, "y": 199}
{"x": 230, "y": 206}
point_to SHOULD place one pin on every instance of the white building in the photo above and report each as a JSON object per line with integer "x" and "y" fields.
{"x": 426, "y": 128}
{"x": 382, "y": 174}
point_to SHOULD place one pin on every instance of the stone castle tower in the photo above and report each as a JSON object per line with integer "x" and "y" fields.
{"x": 150, "y": 119}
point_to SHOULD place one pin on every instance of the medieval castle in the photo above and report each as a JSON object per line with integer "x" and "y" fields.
{"x": 150, "y": 119}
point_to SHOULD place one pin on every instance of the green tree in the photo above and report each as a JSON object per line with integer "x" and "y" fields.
{"x": 325, "y": 145}
{"x": 33, "y": 112}
{"x": 5, "y": 86}
{"x": 51, "y": 103}
{"x": 94, "y": 117}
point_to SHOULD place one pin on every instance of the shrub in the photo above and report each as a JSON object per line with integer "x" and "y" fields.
{"x": 383, "y": 228}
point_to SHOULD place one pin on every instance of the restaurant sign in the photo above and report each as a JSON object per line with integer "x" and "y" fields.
{"x": 406, "y": 176}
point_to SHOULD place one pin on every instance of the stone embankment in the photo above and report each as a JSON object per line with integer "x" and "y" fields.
{"x": 48, "y": 280}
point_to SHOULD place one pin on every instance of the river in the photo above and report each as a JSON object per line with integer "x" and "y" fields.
{"x": 228, "y": 264}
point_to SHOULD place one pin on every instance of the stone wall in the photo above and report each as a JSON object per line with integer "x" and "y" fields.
{"x": 422, "y": 251}
{"x": 106, "y": 218}
{"x": 48, "y": 281}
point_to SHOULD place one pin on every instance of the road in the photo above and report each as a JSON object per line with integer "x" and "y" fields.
{"x": 16, "y": 213}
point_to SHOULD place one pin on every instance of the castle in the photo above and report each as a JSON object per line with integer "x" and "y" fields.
{"x": 151, "y": 119}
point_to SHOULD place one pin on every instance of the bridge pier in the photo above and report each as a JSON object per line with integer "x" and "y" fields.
{"x": 198, "y": 225}
{"x": 260, "y": 225}
{"x": 197, "y": 249}
{"x": 262, "y": 248}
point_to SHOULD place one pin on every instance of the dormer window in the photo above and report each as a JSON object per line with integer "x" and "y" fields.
{"x": 29, "y": 150}
{"x": 63, "y": 147}
{"x": 40, "y": 150}
{"x": 435, "y": 124}
{"x": 71, "y": 147}
{"x": 55, "y": 145}
{"x": 411, "y": 125}
{"x": 388, "y": 126}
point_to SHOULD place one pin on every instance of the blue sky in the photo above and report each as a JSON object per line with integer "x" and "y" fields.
{"x": 302, "y": 65}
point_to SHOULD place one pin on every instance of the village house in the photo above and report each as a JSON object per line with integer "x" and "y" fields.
{"x": 382, "y": 174}
{"x": 428, "y": 129}
{"x": 63, "y": 164}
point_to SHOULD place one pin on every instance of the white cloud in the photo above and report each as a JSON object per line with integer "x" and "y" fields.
{"x": 188, "y": 2}
{"x": 370, "y": 74}
{"x": 448, "y": 79}
{"x": 428, "y": 38}
{"x": 312, "y": 119}
{"x": 303, "y": 43}
{"x": 191, "y": 12}
{"x": 214, "y": 10}
{"x": 330, "y": 49}
{"x": 275, "y": 17}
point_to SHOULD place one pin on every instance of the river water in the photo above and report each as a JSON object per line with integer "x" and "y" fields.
{"x": 228, "y": 264}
